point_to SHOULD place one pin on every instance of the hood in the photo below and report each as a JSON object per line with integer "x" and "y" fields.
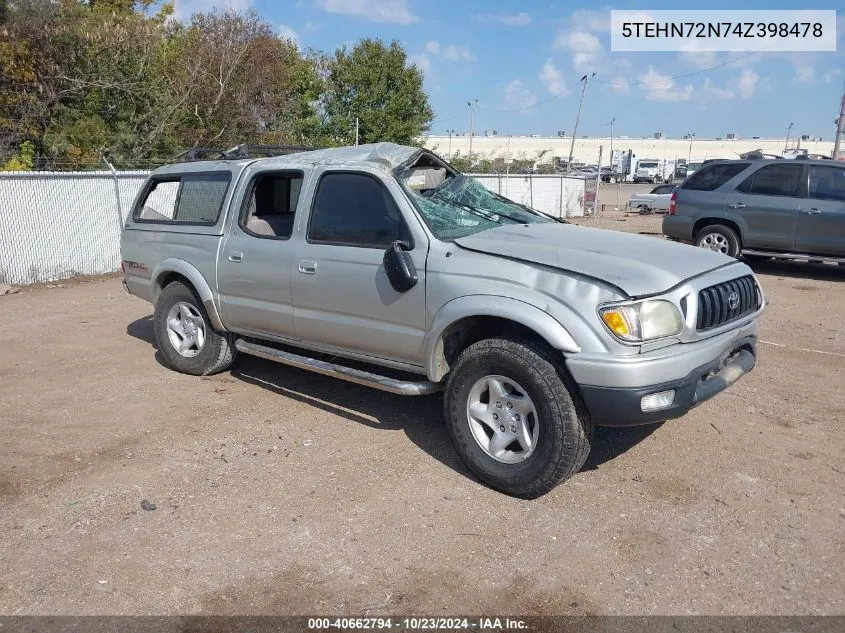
{"x": 639, "y": 265}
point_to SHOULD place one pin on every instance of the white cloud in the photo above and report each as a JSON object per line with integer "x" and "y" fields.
{"x": 449, "y": 53}
{"x": 518, "y": 19}
{"x": 288, "y": 33}
{"x": 456, "y": 53}
{"x": 552, "y": 78}
{"x": 585, "y": 48}
{"x": 804, "y": 73}
{"x": 420, "y": 61}
{"x": 747, "y": 83}
{"x": 700, "y": 59}
{"x": 587, "y": 20}
{"x": 519, "y": 96}
{"x": 711, "y": 91}
{"x": 659, "y": 87}
{"x": 830, "y": 75}
{"x": 620, "y": 85}
{"x": 396, "y": 11}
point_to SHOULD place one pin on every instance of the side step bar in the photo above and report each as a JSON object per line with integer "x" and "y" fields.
{"x": 794, "y": 256}
{"x": 401, "y": 387}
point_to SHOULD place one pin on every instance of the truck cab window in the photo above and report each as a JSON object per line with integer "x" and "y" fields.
{"x": 271, "y": 205}
{"x": 355, "y": 209}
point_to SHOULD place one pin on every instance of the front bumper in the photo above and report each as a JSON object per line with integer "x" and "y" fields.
{"x": 612, "y": 406}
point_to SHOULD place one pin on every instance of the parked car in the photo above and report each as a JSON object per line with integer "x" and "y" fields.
{"x": 792, "y": 209}
{"x": 655, "y": 200}
{"x": 383, "y": 266}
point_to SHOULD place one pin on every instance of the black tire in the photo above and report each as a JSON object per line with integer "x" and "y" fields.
{"x": 756, "y": 259}
{"x": 216, "y": 354}
{"x": 644, "y": 209}
{"x": 565, "y": 429}
{"x": 730, "y": 236}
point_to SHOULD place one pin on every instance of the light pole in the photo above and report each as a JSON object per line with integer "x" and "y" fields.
{"x": 584, "y": 80}
{"x": 788, "y": 130}
{"x": 450, "y": 132}
{"x": 612, "y": 121}
{"x": 469, "y": 105}
{"x": 689, "y": 156}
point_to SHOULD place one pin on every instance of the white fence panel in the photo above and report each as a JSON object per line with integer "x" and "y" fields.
{"x": 55, "y": 225}
{"x": 560, "y": 196}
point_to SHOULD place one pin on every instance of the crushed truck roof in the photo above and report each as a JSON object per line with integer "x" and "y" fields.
{"x": 389, "y": 155}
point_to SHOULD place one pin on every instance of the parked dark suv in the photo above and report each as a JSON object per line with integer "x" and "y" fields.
{"x": 793, "y": 209}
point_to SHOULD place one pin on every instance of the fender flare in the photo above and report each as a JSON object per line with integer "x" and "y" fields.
{"x": 180, "y": 266}
{"x": 514, "y": 310}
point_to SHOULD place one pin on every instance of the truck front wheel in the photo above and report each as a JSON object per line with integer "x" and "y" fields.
{"x": 184, "y": 335}
{"x": 514, "y": 419}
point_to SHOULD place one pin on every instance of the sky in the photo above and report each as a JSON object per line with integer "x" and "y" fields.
{"x": 522, "y": 62}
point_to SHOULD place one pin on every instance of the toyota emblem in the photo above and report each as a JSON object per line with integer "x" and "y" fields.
{"x": 733, "y": 300}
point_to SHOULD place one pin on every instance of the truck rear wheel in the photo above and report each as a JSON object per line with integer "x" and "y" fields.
{"x": 184, "y": 334}
{"x": 513, "y": 418}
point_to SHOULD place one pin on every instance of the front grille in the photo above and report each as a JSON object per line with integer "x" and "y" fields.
{"x": 714, "y": 303}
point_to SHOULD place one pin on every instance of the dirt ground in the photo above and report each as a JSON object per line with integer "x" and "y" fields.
{"x": 279, "y": 491}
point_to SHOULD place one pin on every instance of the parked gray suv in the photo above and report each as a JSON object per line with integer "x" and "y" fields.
{"x": 793, "y": 209}
{"x": 382, "y": 265}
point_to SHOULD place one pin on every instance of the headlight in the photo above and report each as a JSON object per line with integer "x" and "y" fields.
{"x": 643, "y": 321}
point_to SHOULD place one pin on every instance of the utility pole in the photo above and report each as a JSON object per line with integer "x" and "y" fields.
{"x": 469, "y": 105}
{"x": 786, "y": 142}
{"x": 612, "y": 121}
{"x": 689, "y": 156}
{"x": 584, "y": 80}
{"x": 356, "y": 130}
{"x": 840, "y": 123}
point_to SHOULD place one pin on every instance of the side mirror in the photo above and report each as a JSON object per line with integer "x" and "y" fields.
{"x": 399, "y": 267}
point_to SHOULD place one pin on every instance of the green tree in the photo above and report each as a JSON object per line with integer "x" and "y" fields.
{"x": 374, "y": 83}
{"x": 23, "y": 161}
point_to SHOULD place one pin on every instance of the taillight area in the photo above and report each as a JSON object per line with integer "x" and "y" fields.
{"x": 673, "y": 202}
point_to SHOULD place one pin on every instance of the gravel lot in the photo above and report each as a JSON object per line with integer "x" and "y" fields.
{"x": 279, "y": 491}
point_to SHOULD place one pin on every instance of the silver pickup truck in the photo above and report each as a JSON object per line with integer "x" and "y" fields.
{"x": 424, "y": 280}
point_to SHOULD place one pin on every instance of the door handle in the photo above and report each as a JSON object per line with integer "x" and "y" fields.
{"x": 737, "y": 205}
{"x": 813, "y": 211}
{"x": 308, "y": 268}
{"x": 236, "y": 257}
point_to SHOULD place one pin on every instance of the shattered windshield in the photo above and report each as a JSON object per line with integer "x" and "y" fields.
{"x": 455, "y": 206}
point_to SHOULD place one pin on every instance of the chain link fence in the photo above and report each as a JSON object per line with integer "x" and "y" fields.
{"x": 55, "y": 225}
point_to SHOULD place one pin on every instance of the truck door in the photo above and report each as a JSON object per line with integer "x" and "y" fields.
{"x": 254, "y": 265}
{"x": 821, "y": 223}
{"x": 342, "y": 296}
